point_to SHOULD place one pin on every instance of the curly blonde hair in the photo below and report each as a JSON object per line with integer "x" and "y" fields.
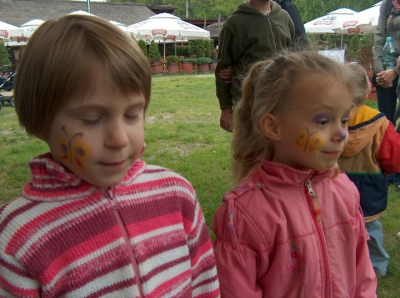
{"x": 268, "y": 88}
{"x": 361, "y": 81}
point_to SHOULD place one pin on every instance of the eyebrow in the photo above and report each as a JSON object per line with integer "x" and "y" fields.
{"x": 92, "y": 107}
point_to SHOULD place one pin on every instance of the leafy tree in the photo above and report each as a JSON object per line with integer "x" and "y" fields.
{"x": 353, "y": 52}
{"x": 142, "y": 45}
{"x": 309, "y": 9}
{"x": 154, "y": 53}
{"x": 4, "y": 56}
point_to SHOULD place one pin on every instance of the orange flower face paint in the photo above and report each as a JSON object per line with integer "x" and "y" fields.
{"x": 307, "y": 141}
{"x": 73, "y": 150}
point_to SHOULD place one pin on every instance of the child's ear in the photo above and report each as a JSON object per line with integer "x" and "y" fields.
{"x": 269, "y": 125}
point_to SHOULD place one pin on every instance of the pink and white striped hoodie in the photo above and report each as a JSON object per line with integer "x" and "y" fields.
{"x": 146, "y": 237}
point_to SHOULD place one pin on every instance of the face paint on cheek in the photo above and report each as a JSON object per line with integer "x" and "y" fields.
{"x": 316, "y": 142}
{"x": 307, "y": 141}
{"x": 73, "y": 151}
{"x": 302, "y": 138}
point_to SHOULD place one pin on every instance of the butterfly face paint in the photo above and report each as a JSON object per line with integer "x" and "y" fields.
{"x": 309, "y": 141}
{"x": 73, "y": 150}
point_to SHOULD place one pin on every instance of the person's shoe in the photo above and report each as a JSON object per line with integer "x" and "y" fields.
{"x": 397, "y": 185}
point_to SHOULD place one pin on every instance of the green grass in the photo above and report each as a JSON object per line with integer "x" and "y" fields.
{"x": 183, "y": 134}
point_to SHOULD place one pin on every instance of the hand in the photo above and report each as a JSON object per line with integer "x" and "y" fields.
{"x": 226, "y": 74}
{"x": 385, "y": 78}
{"x": 226, "y": 120}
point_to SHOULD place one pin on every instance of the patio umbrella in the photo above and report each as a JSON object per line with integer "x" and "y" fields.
{"x": 167, "y": 28}
{"x": 323, "y": 25}
{"x": 30, "y": 26}
{"x": 10, "y": 33}
{"x": 363, "y": 22}
{"x": 121, "y": 26}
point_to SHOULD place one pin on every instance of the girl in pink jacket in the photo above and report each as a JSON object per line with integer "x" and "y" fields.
{"x": 292, "y": 227}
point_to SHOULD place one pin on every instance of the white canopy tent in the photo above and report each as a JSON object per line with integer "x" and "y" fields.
{"x": 167, "y": 28}
{"x": 121, "y": 26}
{"x": 30, "y": 26}
{"x": 323, "y": 25}
{"x": 363, "y": 22}
{"x": 11, "y": 35}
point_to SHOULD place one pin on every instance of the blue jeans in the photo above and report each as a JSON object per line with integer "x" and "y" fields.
{"x": 387, "y": 102}
{"x": 378, "y": 255}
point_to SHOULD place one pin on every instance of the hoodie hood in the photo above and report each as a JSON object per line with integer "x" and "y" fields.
{"x": 363, "y": 125}
{"x": 246, "y": 8}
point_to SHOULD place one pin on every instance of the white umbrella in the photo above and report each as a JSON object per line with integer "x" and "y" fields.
{"x": 165, "y": 27}
{"x": 10, "y": 33}
{"x": 30, "y": 26}
{"x": 82, "y": 12}
{"x": 363, "y": 22}
{"x": 323, "y": 25}
{"x": 121, "y": 26}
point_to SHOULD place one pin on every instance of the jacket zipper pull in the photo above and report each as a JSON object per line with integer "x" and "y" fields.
{"x": 312, "y": 193}
{"x": 112, "y": 199}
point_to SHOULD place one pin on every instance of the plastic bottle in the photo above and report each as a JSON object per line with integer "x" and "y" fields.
{"x": 389, "y": 55}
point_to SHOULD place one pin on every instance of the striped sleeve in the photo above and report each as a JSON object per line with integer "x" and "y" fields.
{"x": 204, "y": 272}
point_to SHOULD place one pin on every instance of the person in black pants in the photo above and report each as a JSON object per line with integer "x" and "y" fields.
{"x": 386, "y": 80}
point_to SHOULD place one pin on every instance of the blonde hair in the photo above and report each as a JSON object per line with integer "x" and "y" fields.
{"x": 361, "y": 82}
{"x": 63, "y": 59}
{"x": 268, "y": 88}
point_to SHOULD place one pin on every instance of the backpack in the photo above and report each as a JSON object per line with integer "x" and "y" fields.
{"x": 301, "y": 40}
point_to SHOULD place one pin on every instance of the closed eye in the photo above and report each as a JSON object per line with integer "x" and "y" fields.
{"x": 90, "y": 121}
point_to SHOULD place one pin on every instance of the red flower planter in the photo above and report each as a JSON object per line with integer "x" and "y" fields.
{"x": 187, "y": 67}
{"x": 173, "y": 67}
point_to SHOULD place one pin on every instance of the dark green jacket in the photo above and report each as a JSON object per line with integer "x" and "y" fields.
{"x": 246, "y": 37}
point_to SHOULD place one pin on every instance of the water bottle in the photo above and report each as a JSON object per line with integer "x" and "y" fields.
{"x": 389, "y": 55}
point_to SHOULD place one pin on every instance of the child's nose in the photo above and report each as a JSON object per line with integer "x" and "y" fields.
{"x": 116, "y": 136}
{"x": 341, "y": 134}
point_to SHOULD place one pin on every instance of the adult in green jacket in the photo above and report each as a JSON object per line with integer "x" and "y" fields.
{"x": 258, "y": 29}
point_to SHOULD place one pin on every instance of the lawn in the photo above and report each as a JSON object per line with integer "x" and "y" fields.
{"x": 183, "y": 134}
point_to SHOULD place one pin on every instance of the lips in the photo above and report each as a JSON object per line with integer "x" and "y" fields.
{"x": 113, "y": 164}
{"x": 333, "y": 153}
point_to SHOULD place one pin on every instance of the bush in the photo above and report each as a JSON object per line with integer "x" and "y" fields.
{"x": 202, "y": 60}
{"x": 172, "y": 58}
{"x": 4, "y": 56}
{"x": 191, "y": 60}
{"x": 142, "y": 45}
{"x": 154, "y": 53}
{"x": 182, "y": 51}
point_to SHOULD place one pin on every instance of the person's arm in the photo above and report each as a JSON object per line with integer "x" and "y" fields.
{"x": 239, "y": 262}
{"x": 389, "y": 151}
{"x": 366, "y": 282}
{"x": 204, "y": 271}
{"x": 228, "y": 53}
{"x": 226, "y": 74}
{"x": 380, "y": 38}
{"x": 15, "y": 281}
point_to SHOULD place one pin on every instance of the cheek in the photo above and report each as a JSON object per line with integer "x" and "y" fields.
{"x": 73, "y": 150}
{"x": 309, "y": 141}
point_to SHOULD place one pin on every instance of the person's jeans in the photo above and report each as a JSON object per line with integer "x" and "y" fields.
{"x": 387, "y": 102}
{"x": 379, "y": 256}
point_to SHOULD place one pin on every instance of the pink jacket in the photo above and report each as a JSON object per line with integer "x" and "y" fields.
{"x": 271, "y": 243}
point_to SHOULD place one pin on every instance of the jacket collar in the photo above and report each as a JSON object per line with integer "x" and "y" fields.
{"x": 279, "y": 174}
{"x": 51, "y": 181}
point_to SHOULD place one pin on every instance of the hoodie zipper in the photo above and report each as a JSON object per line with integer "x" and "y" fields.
{"x": 128, "y": 245}
{"x": 318, "y": 222}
